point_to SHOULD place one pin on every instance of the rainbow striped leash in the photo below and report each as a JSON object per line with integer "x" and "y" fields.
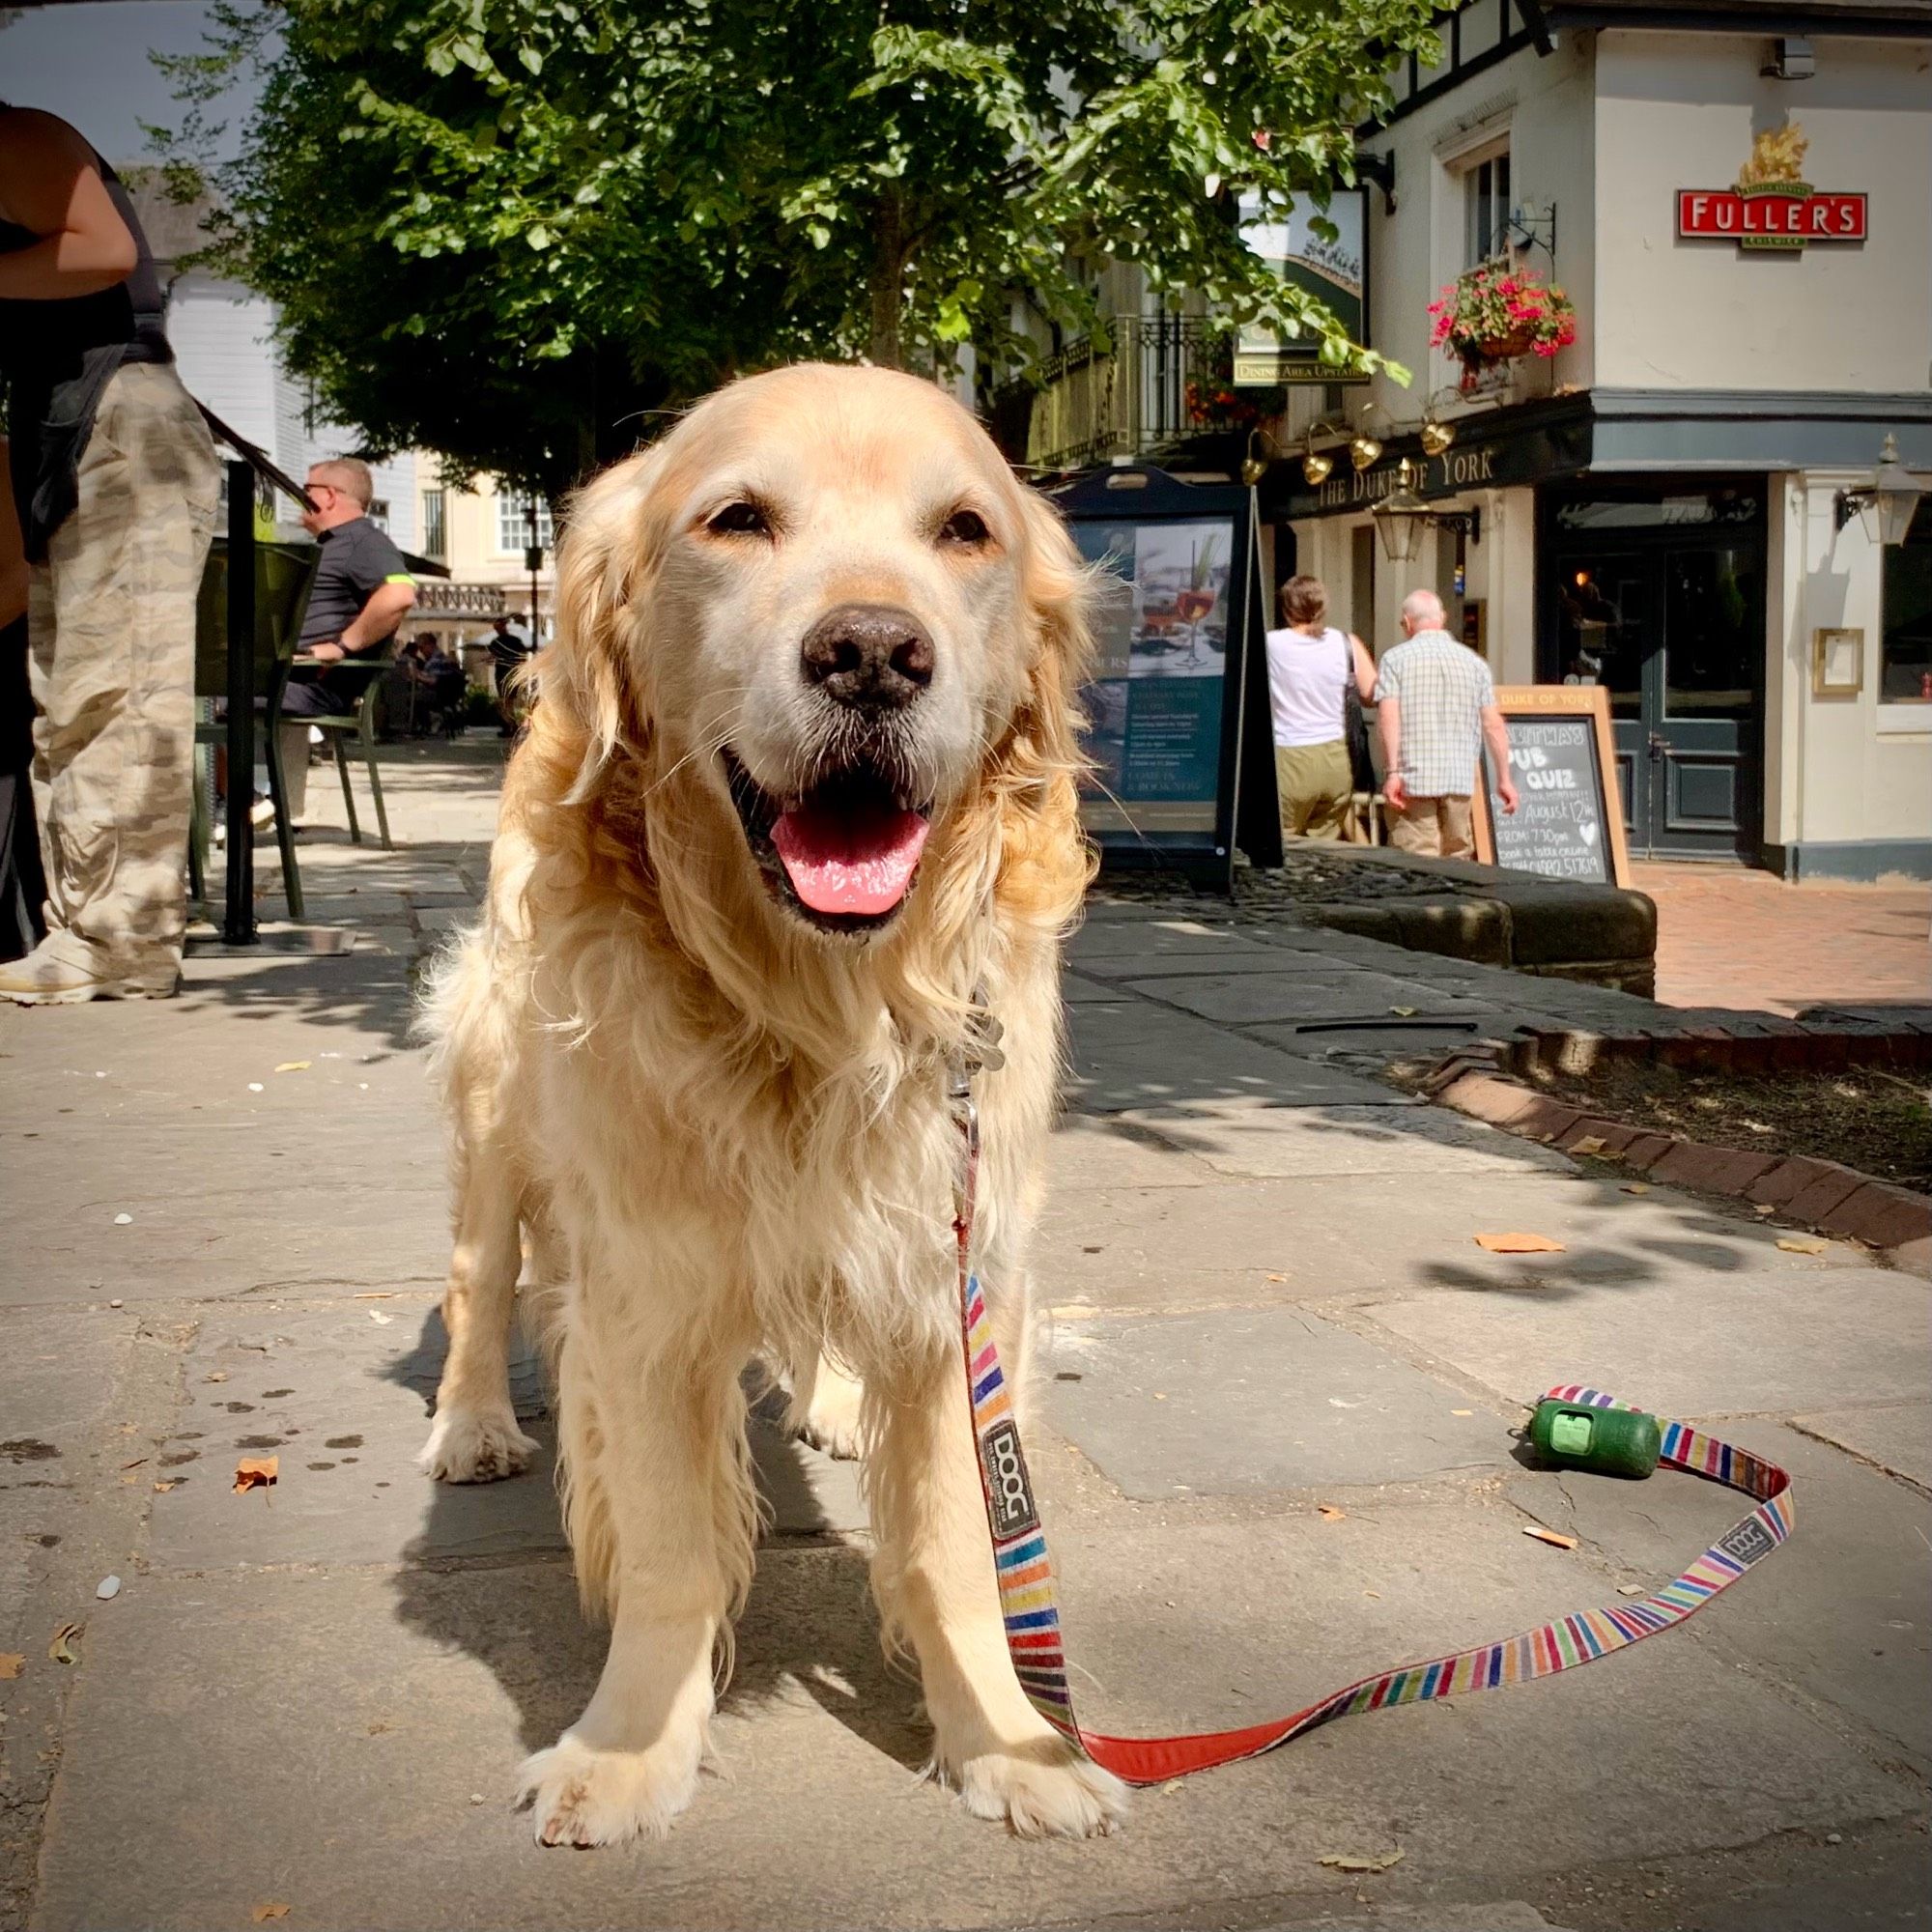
{"x": 1031, "y": 1613}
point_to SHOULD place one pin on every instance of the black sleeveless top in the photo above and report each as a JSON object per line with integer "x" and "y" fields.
{"x": 57, "y": 357}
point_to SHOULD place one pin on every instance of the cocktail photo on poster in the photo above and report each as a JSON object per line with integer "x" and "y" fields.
{"x": 1180, "y": 601}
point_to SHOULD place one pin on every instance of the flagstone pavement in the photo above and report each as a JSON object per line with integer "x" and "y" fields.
{"x": 1277, "y": 1388}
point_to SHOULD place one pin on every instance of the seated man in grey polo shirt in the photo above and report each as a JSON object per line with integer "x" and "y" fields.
{"x": 1436, "y": 704}
{"x": 362, "y": 591}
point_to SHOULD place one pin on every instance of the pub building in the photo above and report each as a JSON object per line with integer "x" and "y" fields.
{"x": 1710, "y": 501}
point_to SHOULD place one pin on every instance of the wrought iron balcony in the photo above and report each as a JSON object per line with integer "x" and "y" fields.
{"x": 1163, "y": 379}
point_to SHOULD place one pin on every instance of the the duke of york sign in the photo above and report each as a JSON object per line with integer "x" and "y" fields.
{"x": 1453, "y": 470}
{"x": 1772, "y": 206}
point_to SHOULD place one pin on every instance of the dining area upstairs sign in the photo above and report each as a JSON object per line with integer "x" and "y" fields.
{"x": 1772, "y": 206}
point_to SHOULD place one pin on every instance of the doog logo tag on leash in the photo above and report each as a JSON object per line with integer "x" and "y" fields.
{"x": 1007, "y": 1483}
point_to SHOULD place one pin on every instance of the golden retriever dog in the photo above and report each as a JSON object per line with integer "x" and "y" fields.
{"x": 800, "y": 788}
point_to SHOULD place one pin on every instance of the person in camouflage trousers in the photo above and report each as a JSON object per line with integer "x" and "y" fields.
{"x": 116, "y": 481}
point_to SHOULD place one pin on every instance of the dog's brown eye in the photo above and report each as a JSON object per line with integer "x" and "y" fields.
{"x": 965, "y": 527}
{"x": 742, "y": 519}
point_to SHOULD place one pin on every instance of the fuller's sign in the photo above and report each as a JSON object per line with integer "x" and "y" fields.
{"x": 1785, "y": 217}
{"x": 1773, "y": 206}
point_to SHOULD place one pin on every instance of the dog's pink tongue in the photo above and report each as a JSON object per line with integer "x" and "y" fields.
{"x": 849, "y": 862}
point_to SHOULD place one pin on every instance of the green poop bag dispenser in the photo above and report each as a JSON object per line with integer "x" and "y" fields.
{"x": 1609, "y": 1441}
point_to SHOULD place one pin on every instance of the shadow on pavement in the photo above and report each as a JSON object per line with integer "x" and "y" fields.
{"x": 809, "y": 1625}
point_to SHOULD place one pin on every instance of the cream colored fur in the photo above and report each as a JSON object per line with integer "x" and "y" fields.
{"x": 725, "y": 1131}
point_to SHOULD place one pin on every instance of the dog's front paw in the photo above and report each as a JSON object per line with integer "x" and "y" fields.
{"x": 1042, "y": 1788}
{"x": 469, "y": 1445}
{"x": 582, "y": 1795}
{"x": 830, "y": 1415}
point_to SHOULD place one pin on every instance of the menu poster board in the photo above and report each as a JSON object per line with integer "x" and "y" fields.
{"x": 1569, "y": 821}
{"x": 1163, "y": 708}
{"x": 1155, "y": 703}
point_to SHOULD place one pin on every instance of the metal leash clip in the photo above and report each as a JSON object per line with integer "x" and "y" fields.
{"x": 983, "y": 1034}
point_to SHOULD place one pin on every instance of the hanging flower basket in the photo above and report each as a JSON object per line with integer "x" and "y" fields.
{"x": 1498, "y": 311}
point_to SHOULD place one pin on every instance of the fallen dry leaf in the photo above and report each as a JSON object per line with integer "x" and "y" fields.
{"x": 1553, "y": 1537}
{"x": 377, "y": 1316}
{"x": 1402, "y": 1013}
{"x": 11, "y": 1664}
{"x": 261, "y": 1913}
{"x": 1375, "y": 1594}
{"x": 1361, "y": 1862}
{"x": 167, "y": 1484}
{"x": 1802, "y": 1244}
{"x": 1632, "y": 1590}
{"x": 135, "y": 1464}
{"x": 1277, "y": 1277}
{"x": 256, "y": 1472}
{"x": 1764, "y": 1207}
{"x": 217, "y": 1376}
{"x": 295, "y": 1066}
{"x": 58, "y": 1651}
{"x": 1328, "y": 1512}
{"x": 1637, "y": 1187}
{"x": 1519, "y": 1244}
{"x": 1588, "y": 1144}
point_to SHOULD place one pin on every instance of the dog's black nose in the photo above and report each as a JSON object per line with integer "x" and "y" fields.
{"x": 868, "y": 655}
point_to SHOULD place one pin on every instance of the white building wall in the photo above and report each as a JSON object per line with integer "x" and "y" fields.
{"x": 1681, "y": 110}
{"x": 220, "y": 335}
{"x": 1543, "y": 104}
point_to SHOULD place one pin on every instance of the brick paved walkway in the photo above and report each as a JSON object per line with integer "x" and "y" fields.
{"x": 1728, "y": 937}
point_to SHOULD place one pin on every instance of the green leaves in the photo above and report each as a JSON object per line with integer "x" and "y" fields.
{"x": 502, "y": 227}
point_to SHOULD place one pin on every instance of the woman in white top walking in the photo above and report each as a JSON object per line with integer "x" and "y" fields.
{"x": 1310, "y": 667}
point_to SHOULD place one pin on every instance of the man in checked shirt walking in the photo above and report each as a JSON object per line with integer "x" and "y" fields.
{"x": 1436, "y": 706}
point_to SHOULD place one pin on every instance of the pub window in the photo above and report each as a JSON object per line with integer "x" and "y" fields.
{"x": 435, "y": 533}
{"x": 1905, "y": 616}
{"x": 513, "y": 523}
{"x": 1486, "y": 191}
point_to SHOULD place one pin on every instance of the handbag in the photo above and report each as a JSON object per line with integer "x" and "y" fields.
{"x": 1356, "y": 728}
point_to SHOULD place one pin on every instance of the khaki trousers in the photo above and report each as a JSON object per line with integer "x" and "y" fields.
{"x": 110, "y": 629}
{"x": 1438, "y": 828}
{"x": 1316, "y": 787}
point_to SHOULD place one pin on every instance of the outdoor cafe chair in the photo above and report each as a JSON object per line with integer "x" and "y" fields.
{"x": 358, "y": 723}
{"x": 284, "y": 574}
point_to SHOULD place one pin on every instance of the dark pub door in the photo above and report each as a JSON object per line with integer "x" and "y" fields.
{"x": 1656, "y": 591}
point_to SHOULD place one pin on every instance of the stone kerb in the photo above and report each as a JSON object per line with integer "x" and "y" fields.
{"x": 1482, "y": 1081}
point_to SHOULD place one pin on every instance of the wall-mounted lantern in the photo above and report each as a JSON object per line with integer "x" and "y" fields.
{"x": 1402, "y": 516}
{"x": 1893, "y": 493}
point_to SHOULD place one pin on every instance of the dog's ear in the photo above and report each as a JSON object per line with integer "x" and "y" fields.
{"x": 1045, "y": 862}
{"x": 605, "y": 558}
{"x": 1056, "y": 586}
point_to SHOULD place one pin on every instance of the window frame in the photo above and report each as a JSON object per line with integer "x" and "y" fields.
{"x": 1919, "y": 544}
{"x": 515, "y": 503}
{"x": 435, "y": 527}
{"x": 1486, "y": 208}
